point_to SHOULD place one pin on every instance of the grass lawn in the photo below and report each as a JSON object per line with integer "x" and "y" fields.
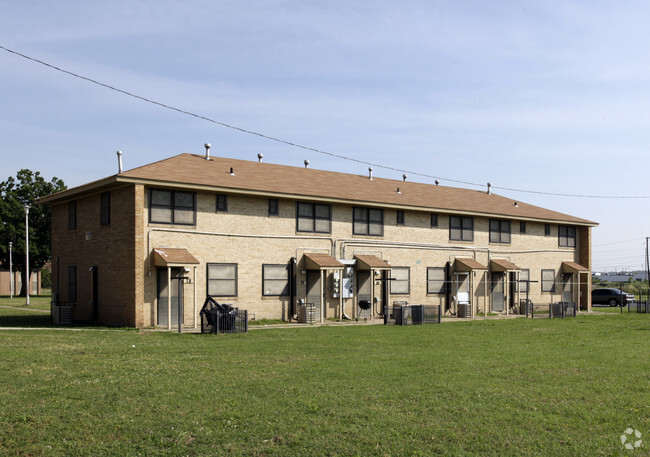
{"x": 498, "y": 387}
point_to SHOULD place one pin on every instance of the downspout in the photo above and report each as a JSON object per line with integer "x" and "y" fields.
{"x": 292, "y": 288}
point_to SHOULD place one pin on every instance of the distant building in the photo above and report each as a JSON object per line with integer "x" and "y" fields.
{"x": 5, "y": 281}
{"x": 621, "y": 277}
{"x": 137, "y": 247}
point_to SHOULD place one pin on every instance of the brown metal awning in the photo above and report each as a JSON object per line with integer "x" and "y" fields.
{"x": 468, "y": 265}
{"x": 502, "y": 265}
{"x": 371, "y": 262}
{"x": 315, "y": 261}
{"x": 170, "y": 257}
{"x": 572, "y": 267}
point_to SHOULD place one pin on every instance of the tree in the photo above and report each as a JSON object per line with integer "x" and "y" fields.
{"x": 14, "y": 195}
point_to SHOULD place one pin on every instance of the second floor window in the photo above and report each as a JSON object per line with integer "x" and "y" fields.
{"x": 499, "y": 231}
{"x": 461, "y": 228}
{"x": 172, "y": 207}
{"x": 368, "y": 221}
{"x": 400, "y": 217}
{"x": 567, "y": 236}
{"x": 222, "y": 203}
{"x": 313, "y": 217}
{"x": 72, "y": 215}
{"x": 274, "y": 207}
{"x": 105, "y": 209}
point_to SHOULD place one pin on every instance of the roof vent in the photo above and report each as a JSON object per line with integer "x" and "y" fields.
{"x": 489, "y": 185}
{"x": 516, "y": 205}
{"x": 306, "y": 163}
{"x": 119, "y": 161}
{"x": 437, "y": 182}
{"x": 260, "y": 156}
{"x": 232, "y": 172}
{"x": 370, "y": 173}
{"x": 399, "y": 191}
{"x": 404, "y": 176}
{"x": 207, "y": 151}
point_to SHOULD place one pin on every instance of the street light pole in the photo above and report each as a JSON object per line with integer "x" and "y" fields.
{"x": 27, "y": 251}
{"x": 11, "y": 273}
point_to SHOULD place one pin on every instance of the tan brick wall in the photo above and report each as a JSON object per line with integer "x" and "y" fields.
{"x": 248, "y": 237}
{"x": 110, "y": 248}
{"x": 249, "y": 216}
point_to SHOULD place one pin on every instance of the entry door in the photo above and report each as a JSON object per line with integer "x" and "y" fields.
{"x": 512, "y": 289}
{"x": 163, "y": 296}
{"x": 498, "y": 296}
{"x": 567, "y": 287}
{"x": 314, "y": 291}
{"x": 363, "y": 293}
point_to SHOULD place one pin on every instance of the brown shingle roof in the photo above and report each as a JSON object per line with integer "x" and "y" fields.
{"x": 373, "y": 262}
{"x": 468, "y": 265}
{"x": 190, "y": 170}
{"x": 316, "y": 261}
{"x": 502, "y": 265}
{"x": 572, "y": 267}
{"x": 176, "y": 256}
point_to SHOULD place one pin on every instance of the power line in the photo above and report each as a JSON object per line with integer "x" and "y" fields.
{"x": 297, "y": 145}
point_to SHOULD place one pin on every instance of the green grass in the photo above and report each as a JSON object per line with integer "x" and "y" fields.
{"x": 35, "y": 301}
{"x": 498, "y": 387}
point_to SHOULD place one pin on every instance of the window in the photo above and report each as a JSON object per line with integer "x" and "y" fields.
{"x": 312, "y": 217}
{"x": 461, "y": 228}
{"x": 274, "y": 207}
{"x": 524, "y": 276}
{"x": 522, "y": 227}
{"x": 499, "y": 231}
{"x": 275, "y": 280}
{"x": 222, "y": 203}
{"x": 436, "y": 281}
{"x": 222, "y": 279}
{"x": 400, "y": 217}
{"x": 434, "y": 220}
{"x": 105, "y": 208}
{"x": 547, "y": 229}
{"x": 72, "y": 284}
{"x": 172, "y": 207}
{"x": 548, "y": 280}
{"x": 72, "y": 215}
{"x": 368, "y": 221}
{"x": 400, "y": 285}
{"x": 567, "y": 236}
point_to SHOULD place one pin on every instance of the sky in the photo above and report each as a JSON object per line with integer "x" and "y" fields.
{"x": 545, "y": 97}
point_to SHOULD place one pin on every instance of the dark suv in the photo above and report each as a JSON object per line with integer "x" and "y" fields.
{"x": 611, "y": 297}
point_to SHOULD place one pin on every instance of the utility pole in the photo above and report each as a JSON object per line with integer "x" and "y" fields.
{"x": 11, "y": 273}
{"x": 27, "y": 252}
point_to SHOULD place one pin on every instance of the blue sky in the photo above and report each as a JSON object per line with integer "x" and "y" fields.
{"x": 545, "y": 96}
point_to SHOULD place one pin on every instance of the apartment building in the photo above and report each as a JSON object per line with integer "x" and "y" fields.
{"x": 145, "y": 246}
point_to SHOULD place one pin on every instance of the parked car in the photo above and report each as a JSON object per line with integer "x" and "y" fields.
{"x": 611, "y": 297}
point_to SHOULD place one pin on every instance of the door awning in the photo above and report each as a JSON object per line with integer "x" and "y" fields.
{"x": 468, "y": 265}
{"x": 572, "y": 267}
{"x": 315, "y": 261}
{"x": 173, "y": 257}
{"x": 371, "y": 262}
{"x": 502, "y": 265}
